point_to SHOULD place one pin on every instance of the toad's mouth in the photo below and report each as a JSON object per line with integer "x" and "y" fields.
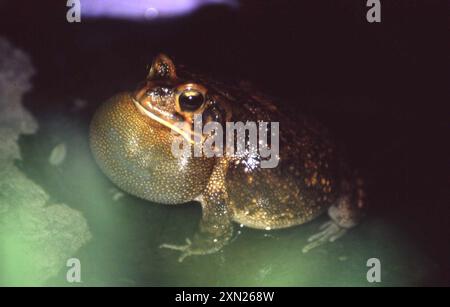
{"x": 169, "y": 121}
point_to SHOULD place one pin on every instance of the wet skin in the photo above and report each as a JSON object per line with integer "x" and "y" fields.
{"x": 131, "y": 138}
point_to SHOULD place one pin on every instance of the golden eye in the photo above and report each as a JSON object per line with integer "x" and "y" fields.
{"x": 191, "y": 100}
{"x": 191, "y": 97}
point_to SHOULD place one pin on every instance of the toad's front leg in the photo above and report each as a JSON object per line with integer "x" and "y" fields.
{"x": 215, "y": 229}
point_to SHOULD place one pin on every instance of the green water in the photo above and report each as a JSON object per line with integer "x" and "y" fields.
{"x": 127, "y": 231}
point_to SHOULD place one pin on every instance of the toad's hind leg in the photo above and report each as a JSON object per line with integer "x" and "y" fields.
{"x": 345, "y": 214}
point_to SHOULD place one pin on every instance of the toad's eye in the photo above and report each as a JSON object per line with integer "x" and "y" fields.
{"x": 191, "y": 100}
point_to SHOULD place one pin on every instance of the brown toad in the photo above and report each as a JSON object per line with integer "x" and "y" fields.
{"x": 132, "y": 136}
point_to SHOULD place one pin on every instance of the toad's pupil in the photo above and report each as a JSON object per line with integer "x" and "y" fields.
{"x": 191, "y": 101}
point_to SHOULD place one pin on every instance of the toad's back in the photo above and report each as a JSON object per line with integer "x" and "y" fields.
{"x": 300, "y": 187}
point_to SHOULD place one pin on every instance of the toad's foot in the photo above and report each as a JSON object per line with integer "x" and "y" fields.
{"x": 329, "y": 232}
{"x": 191, "y": 249}
{"x": 344, "y": 215}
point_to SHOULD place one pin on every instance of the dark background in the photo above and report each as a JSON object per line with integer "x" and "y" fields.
{"x": 381, "y": 88}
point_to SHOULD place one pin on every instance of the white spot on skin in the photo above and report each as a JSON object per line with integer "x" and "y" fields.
{"x": 250, "y": 160}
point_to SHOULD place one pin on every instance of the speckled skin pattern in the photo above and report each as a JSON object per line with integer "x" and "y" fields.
{"x": 134, "y": 151}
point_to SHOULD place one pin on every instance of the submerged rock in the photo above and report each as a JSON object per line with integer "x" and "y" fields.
{"x": 36, "y": 236}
